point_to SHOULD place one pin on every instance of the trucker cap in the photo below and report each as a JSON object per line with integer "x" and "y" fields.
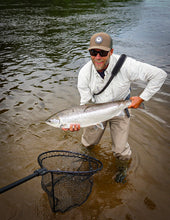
{"x": 101, "y": 41}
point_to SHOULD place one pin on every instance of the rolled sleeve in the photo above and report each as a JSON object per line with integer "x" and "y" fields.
{"x": 153, "y": 76}
{"x": 153, "y": 85}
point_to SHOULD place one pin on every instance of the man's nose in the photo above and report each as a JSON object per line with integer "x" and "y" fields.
{"x": 98, "y": 56}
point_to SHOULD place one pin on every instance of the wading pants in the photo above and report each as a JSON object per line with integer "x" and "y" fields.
{"x": 119, "y": 130}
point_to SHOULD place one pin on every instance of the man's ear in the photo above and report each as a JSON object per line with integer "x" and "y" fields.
{"x": 111, "y": 51}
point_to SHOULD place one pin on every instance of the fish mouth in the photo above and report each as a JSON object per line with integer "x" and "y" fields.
{"x": 48, "y": 121}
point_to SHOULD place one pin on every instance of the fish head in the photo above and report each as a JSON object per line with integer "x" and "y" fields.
{"x": 53, "y": 121}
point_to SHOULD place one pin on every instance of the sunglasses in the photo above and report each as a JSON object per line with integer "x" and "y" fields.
{"x": 102, "y": 53}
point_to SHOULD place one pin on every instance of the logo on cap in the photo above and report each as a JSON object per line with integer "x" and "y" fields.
{"x": 98, "y": 40}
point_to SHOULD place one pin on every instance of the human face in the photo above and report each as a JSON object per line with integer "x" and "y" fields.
{"x": 100, "y": 62}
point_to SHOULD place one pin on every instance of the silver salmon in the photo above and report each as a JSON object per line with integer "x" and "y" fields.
{"x": 87, "y": 115}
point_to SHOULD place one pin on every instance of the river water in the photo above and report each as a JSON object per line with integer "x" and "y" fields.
{"x": 43, "y": 44}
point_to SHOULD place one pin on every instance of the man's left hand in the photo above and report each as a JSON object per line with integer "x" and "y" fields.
{"x": 73, "y": 127}
{"x": 136, "y": 101}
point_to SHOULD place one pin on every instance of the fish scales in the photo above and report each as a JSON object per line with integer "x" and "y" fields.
{"x": 87, "y": 115}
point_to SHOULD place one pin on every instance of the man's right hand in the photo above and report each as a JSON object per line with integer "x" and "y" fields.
{"x": 73, "y": 127}
{"x": 136, "y": 101}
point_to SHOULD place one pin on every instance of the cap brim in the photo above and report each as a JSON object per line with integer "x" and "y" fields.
{"x": 100, "y": 48}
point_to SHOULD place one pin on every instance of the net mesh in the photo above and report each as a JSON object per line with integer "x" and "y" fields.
{"x": 68, "y": 181}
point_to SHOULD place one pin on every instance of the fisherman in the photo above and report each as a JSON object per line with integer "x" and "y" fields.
{"x": 94, "y": 75}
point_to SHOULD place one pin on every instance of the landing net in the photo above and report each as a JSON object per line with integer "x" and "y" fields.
{"x": 68, "y": 181}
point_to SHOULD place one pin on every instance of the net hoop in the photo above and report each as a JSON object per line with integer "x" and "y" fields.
{"x": 56, "y": 153}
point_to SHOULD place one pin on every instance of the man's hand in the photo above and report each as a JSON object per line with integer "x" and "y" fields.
{"x": 73, "y": 127}
{"x": 136, "y": 101}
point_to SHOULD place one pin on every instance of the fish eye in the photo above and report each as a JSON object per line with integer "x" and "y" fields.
{"x": 53, "y": 121}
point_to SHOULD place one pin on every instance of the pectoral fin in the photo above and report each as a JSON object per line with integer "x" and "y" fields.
{"x": 100, "y": 125}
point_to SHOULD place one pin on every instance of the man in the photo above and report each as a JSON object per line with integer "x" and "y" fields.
{"x": 93, "y": 77}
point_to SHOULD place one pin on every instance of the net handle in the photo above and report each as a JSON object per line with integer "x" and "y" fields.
{"x": 23, "y": 180}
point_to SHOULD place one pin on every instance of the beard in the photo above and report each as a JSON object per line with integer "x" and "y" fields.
{"x": 101, "y": 64}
